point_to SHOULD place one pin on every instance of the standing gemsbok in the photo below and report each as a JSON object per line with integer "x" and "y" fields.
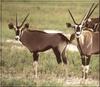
{"x": 38, "y": 41}
{"x": 88, "y": 42}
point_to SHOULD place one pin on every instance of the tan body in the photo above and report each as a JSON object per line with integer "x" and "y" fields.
{"x": 39, "y": 41}
{"x": 90, "y": 42}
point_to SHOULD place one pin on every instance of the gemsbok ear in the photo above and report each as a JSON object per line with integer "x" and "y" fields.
{"x": 11, "y": 26}
{"x": 26, "y": 25}
{"x": 69, "y": 25}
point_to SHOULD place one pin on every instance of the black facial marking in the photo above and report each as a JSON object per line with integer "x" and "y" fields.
{"x": 17, "y": 33}
{"x": 78, "y": 29}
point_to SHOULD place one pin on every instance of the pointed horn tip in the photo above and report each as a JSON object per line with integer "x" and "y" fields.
{"x": 68, "y": 10}
{"x": 97, "y": 4}
{"x": 28, "y": 14}
{"x": 89, "y": 12}
{"x": 24, "y": 19}
{"x": 16, "y": 20}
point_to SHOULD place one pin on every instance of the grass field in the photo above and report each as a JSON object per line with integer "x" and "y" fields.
{"x": 16, "y": 61}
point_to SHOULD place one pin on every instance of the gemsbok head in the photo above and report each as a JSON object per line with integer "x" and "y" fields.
{"x": 39, "y": 41}
{"x": 88, "y": 42}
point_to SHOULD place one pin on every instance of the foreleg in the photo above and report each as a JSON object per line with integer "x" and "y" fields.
{"x": 35, "y": 63}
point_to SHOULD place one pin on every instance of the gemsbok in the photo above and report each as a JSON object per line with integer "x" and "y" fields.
{"x": 88, "y": 42}
{"x": 39, "y": 41}
{"x": 93, "y": 23}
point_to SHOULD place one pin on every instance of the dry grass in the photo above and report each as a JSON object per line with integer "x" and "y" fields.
{"x": 16, "y": 68}
{"x": 16, "y": 61}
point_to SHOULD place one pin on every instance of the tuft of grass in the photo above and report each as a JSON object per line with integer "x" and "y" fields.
{"x": 17, "y": 82}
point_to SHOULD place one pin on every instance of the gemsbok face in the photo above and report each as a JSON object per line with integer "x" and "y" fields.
{"x": 39, "y": 41}
{"x": 88, "y": 42}
{"x": 78, "y": 29}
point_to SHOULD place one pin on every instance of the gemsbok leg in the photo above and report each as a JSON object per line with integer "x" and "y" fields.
{"x": 35, "y": 63}
{"x": 61, "y": 58}
{"x": 85, "y": 66}
{"x": 58, "y": 55}
{"x": 64, "y": 58}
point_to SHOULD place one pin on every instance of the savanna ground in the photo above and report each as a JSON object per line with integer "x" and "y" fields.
{"x": 16, "y": 61}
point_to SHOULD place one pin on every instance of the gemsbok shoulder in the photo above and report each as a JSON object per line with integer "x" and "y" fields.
{"x": 39, "y": 41}
{"x": 88, "y": 42}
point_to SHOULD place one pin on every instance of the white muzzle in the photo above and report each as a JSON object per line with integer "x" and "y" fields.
{"x": 17, "y": 38}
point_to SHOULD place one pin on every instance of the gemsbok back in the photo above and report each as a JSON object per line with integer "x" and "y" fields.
{"x": 39, "y": 41}
{"x": 88, "y": 42}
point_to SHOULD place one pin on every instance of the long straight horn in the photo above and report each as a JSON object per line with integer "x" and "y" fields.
{"x": 16, "y": 20}
{"x": 92, "y": 10}
{"x": 87, "y": 13}
{"x": 72, "y": 16}
{"x": 24, "y": 20}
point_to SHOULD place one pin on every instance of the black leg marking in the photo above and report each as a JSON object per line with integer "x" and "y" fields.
{"x": 35, "y": 56}
{"x": 85, "y": 62}
{"x": 35, "y": 63}
{"x": 58, "y": 55}
{"x": 64, "y": 58}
